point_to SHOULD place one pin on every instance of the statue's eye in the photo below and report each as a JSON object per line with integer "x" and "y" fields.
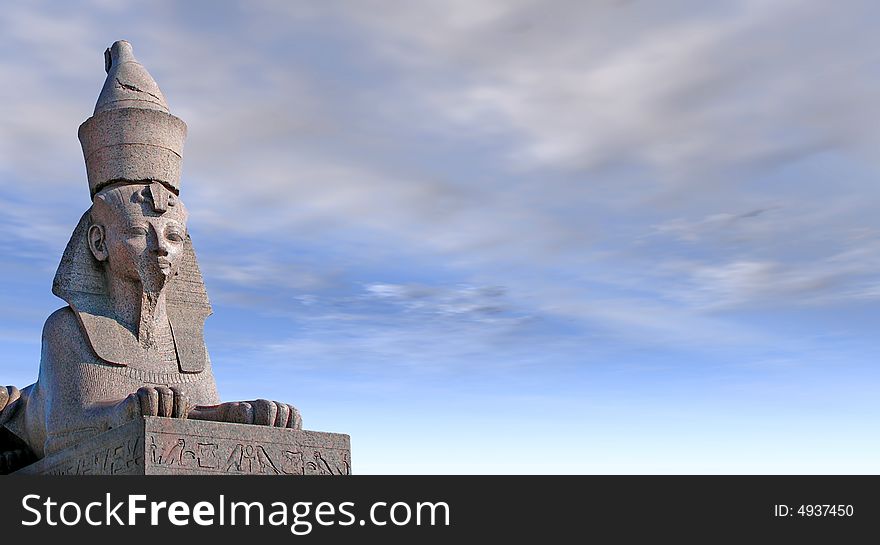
{"x": 137, "y": 231}
{"x": 174, "y": 236}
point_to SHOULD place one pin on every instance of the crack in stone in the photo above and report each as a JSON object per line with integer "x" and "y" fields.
{"x": 130, "y": 87}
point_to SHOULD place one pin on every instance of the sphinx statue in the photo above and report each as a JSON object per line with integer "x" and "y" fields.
{"x": 130, "y": 342}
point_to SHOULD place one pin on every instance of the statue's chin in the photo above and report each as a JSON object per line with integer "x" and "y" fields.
{"x": 155, "y": 281}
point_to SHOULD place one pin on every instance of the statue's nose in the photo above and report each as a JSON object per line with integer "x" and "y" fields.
{"x": 158, "y": 242}
{"x": 162, "y": 246}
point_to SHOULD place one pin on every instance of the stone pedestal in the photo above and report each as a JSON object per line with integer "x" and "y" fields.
{"x": 170, "y": 446}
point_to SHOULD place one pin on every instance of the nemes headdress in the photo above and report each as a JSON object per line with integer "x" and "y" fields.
{"x": 131, "y": 138}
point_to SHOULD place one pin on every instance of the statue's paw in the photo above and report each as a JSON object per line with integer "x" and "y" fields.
{"x": 295, "y": 419}
{"x": 8, "y": 396}
{"x": 263, "y": 412}
{"x": 162, "y": 401}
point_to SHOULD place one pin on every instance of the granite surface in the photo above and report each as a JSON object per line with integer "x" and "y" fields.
{"x": 170, "y": 446}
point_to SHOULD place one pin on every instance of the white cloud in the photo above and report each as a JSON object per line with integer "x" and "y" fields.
{"x": 574, "y": 152}
{"x": 698, "y": 87}
{"x": 481, "y": 303}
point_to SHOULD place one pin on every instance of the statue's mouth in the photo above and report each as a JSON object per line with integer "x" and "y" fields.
{"x": 164, "y": 265}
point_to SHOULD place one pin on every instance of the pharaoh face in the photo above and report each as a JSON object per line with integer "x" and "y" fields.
{"x": 139, "y": 230}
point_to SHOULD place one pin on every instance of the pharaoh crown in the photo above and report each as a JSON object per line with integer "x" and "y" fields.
{"x": 131, "y": 136}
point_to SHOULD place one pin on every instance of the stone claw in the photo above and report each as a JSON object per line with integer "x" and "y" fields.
{"x": 239, "y": 412}
{"x": 164, "y": 401}
{"x": 295, "y": 420}
{"x": 8, "y": 396}
{"x": 262, "y": 412}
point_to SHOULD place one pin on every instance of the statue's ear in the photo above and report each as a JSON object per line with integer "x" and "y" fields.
{"x": 98, "y": 242}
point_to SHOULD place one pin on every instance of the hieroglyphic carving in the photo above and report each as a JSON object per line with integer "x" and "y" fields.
{"x": 207, "y": 456}
{"x": 168, "y": 446}
{"x": 170, "y": 451}
{"x": 319, "y": 465}
{"x": 251, "y": 459}
{"x": 118, "y": 458}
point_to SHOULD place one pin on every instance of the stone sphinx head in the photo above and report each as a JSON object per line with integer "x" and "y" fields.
{"x": 134, "y": 237}
{"x": 138, "y": 233}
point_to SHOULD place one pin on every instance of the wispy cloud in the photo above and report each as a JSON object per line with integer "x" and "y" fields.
{"x": 606, "y": 165}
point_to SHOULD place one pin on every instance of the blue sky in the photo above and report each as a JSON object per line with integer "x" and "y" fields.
{"x": 498, "y": 236}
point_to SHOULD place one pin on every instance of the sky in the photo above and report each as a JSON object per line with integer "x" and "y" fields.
{"x": 483, "y": 237}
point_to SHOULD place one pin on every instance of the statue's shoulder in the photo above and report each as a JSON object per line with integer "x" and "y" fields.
{"x": 63, "y": 334}
{"x": 61, "y": 321}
